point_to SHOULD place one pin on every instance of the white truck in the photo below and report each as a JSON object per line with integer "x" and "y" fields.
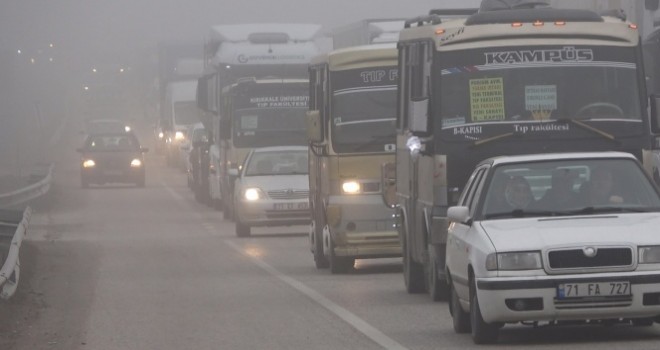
{"x": 181, "y": 112}
{"x": 254, "y": 51}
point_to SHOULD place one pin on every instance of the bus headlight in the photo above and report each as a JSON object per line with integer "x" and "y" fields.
{"x": 136, "y": 163}
{"x": 179, "y": 136}
{"x": 89, "y": 163}
{"x": 351, "y": 187}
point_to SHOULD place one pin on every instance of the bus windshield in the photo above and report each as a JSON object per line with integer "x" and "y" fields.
{"x": 364, "y": 111}
{"x": 512, "y": 85}
{"x": 264, "y": 127}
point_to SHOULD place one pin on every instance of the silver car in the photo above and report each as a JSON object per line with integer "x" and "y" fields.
{"x": 554, "y": 238}
{"x": 272, "y": 189}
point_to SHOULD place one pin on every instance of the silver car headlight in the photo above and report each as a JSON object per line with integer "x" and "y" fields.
{"x": 649, "y": 255}
{"x": 253, "y": 194}
{"x": 514, "y": 261}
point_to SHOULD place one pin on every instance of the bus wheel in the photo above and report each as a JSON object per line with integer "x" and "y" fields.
{"x": 438, "y": 289}
{"x": 316, "y": 243}
{"x": 413, "y": 272}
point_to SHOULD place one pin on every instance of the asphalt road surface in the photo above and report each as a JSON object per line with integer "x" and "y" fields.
{"x": 120, "y": 267}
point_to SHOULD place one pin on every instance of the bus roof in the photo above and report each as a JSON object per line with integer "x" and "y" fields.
{"x": 359, "y": 57}
{"x": 244, "y": 32}
{"x": 500, "y": 28}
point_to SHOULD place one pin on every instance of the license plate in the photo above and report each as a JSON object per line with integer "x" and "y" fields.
{"x": 596, "y": 289}
{"x": 290, "y": 206}
{"x": 113, "y": 172}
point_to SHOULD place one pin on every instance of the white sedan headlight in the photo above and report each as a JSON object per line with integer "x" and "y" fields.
{"x": 649, "y": 255}
{"x": 89, "y": 163}
{"x": 253, "y": 194}
{"x": 514, "y": 261}
{"x": 136, "y": 163}
{"x": 351, "y": 187}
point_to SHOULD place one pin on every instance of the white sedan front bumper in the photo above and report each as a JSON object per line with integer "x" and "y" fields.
{"x": 497, "y": 297}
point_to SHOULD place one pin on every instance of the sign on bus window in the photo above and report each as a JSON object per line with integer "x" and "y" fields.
{"x": 487, "y": 99}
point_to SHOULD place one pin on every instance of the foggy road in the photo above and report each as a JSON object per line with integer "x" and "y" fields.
{"x": 119, "y": 267}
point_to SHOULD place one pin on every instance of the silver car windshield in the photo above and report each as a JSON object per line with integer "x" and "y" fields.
{"x": 568, "y": 187}
{"x": 277, "y": 163}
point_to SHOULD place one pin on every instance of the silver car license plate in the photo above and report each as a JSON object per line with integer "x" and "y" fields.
{"x": 290, "y": 206}
{"x": 595, "y": 289}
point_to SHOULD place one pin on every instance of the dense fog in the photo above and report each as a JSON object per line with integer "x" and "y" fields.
{"x": 48, "y": 49}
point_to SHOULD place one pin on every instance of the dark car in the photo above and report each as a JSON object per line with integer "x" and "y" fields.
{"x": 112, "y": 158}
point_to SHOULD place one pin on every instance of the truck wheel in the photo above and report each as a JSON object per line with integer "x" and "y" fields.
{"x": 460, "y": 318}
{"x": 482, "y": 332}
{"x": 339, "y": 264}
{"x": 413, "y": 272}
{"x": 438, "y": 288}
{"x": 316, "y": 243}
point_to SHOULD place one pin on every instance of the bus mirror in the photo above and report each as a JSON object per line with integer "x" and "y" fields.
{"x": 314, "y": 127}
{"x": 419, "y": 114}
{"x": 388, "y": 183}
{"x": 225, "y": 129}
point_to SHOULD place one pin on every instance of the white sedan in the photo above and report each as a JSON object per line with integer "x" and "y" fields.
{"x": 554, "y": 238}
{"x": 272, "y": 189}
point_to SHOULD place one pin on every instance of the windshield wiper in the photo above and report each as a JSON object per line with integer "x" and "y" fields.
{"x": 588, "y": 127}
{"x": 520, "y": 213}
{"x": 495, "y": 138}
{"x": 612, "y": 209}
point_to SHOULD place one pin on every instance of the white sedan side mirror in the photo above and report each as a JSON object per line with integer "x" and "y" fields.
{"x": 458, "y": 214}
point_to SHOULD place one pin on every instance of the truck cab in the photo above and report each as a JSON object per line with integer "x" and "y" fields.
{"x": 351, "y": 135}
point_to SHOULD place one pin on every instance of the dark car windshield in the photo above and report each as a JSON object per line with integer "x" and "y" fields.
{"x": 113, "y": 142}
{"x": 568, "y": 187}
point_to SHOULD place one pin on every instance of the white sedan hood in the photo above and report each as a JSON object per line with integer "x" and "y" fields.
{"x": 276, "y": 182}
{"x": 542, "y": 233}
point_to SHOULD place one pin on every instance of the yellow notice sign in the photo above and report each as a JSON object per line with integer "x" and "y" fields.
{"x": 487, "y": 99}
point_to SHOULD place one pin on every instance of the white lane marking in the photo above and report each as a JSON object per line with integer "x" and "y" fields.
{"x": 361, "y": 325}
{"x": 350, "y": 318}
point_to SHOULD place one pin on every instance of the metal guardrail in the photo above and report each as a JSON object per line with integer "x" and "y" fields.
{"x": 9, "y": 274}
{"x": 28, "y": 193}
